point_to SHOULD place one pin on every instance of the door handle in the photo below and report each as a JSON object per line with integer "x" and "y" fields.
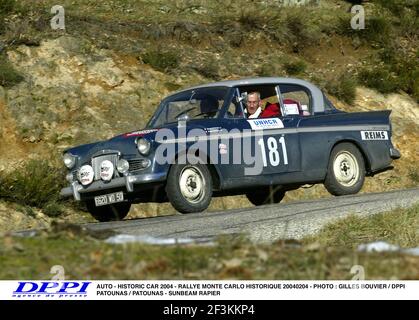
{"x": 214, "y": 129}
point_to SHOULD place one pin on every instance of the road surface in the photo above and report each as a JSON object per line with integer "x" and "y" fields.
{"x": 266, "y": 223}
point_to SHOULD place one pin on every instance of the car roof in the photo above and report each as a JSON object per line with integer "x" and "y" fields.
{"x": 316, "y": 93}
{"x": 254, "y": 81}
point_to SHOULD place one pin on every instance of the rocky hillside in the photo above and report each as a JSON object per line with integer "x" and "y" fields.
{"x": 106, "y": 72}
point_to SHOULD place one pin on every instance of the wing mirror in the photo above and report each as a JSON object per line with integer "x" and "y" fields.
{"x": 243, "y": 97}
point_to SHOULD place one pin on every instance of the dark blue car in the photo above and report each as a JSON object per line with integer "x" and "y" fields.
{"x": 202, "y": 142}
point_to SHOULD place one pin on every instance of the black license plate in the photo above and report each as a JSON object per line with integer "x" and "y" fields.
{"x": 109, "y": 199}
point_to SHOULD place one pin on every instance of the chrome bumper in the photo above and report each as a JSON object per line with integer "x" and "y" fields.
{"x": 75, "y": 189}
{"x": 394, "y": 153}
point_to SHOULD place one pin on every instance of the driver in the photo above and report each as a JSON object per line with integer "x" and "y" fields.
{"x": 253, "y": 105}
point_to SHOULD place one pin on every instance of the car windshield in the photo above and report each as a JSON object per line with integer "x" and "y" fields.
{"x": 201, "y": 103}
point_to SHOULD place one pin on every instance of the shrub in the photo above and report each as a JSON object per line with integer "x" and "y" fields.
{"x": 400, "y": 71}
{"x": 208, "y": 69}
{"x": 8, "y": 75}
{"x": 267, "y": 70}
{"x": 396, "y": 7}
{"x": 377, "y": 29}
{"x": 343, "y": 88}
{"x": 36, "y": 184}
{"x": 301, "y": 31}
{"x": 381, "y": 79}
{"x": 414, "y": 175}
{"x": 7, "y": 6}
{"x": 295, "y": 67}
{"x": 161, "y": 60}
{"x": 53, "y": 209}
{"x": 252, "y": 20}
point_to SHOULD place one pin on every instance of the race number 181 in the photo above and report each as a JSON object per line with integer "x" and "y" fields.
{"x": 273, "y": 153}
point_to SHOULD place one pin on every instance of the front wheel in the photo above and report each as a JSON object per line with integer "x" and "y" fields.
{"x": 113, "y": 212}
{"x": 266, "y": 195}
{"x": 189, "y": 187}
{"x": 346, "y": 170}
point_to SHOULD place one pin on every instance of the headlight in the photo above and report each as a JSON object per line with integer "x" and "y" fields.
{"x": 86, "y": 175}
{"x": 122, "y": 166}
{"x": 106, "y": 170}
{"x": 69, "y": 177}
{"x": 143, "y": 146}
{"x": 69, "y": 160}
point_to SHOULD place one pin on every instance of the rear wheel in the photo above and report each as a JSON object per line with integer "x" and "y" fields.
{"x": 189, "y": 187}
{"x": 113, "y": 212}
{"x": 346, "y": 170}
{"x": 266, "y": 195}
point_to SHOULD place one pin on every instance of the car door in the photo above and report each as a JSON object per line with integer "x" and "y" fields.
{"x": 265, "y": 146}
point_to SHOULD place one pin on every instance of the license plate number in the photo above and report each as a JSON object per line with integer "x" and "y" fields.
{"x": 109, "y": 199}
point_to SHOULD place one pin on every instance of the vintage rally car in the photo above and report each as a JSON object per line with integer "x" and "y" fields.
{"x": 202, "y": 142}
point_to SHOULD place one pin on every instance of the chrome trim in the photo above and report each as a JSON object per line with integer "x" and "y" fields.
{"x": 76, "y": 189}
{"x": 394, "y": 153}
{"x": 104, "y": 152}
{"x": 96, "y": 163}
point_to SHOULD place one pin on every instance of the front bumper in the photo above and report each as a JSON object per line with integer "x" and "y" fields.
{"x": 76, "y": 189}
{"x": 394, "y": 153}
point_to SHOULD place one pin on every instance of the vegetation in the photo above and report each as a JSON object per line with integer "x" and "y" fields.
{"x": 36, "y": 184}
{"x": 7, "y": 6}
{"x": 400, "y": 227}
{"x": 329, "y": 255}
{"x": 161, "y": 60}
{"x": 343, "y": 88}
{"x": 295, "y": 67}
{"x": 8, "y": 75}
{"x": 176, "y": 34}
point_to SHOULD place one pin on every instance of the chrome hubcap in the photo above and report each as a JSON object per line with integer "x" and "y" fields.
{"x": 346, "y": 169}
{"x": 192, "y": 184}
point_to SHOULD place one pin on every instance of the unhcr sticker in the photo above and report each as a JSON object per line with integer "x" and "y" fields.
{"x": 267, "y": 123}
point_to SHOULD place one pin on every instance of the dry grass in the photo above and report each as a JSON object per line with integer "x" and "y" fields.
{"x": 330, "y": 255}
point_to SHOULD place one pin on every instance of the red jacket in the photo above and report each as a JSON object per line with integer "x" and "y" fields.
{"x": 273, "y": 109}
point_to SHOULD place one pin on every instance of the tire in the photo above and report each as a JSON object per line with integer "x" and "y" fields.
{"x": 113, "y": 212}
{"x": 266, "y": 195}
{"x": 189, "y": 187}
{"x": 346, "y": 170}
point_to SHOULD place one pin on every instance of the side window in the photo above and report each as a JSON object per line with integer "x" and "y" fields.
{"x": 260, "y": 101}
{"x": 296, "y": 100}
{"x": 234, "y": 111}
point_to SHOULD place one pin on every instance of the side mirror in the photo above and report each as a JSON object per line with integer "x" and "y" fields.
{"x": 181, "y": 120}
{"x": 243, "y": 97}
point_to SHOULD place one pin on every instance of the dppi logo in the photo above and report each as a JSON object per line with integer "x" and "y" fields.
{"x": 62, "y": 289}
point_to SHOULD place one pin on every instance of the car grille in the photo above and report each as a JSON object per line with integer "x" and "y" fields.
{"x": 75, "y": 175}
{"x": 137, "y": 164}
{"x": 97, "y": 162}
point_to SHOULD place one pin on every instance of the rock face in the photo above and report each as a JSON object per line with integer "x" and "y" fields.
{"x": 74, "y": 93}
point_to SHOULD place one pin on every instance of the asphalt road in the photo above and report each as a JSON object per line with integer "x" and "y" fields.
{"x": 266, "y": 223}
